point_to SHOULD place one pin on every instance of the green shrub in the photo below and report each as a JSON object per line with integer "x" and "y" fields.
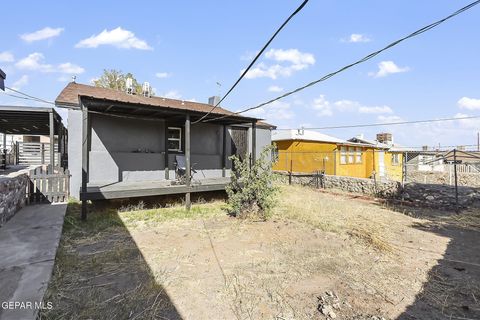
{"x": 251, "y": 192}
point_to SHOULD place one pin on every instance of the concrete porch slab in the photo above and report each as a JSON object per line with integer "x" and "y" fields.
{"x": 28, "y": 244}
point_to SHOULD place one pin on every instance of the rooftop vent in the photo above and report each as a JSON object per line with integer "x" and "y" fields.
{"x": 213, "y": 100}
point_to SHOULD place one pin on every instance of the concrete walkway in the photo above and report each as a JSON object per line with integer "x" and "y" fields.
{"x": 28, "y": 244}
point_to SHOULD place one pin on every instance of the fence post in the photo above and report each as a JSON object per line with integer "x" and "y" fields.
{"x": 289, "y": 177}
{"x": 456, "y": 178}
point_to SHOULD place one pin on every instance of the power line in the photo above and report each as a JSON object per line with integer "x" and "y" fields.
{"x": 28, "y": 97}
{"x": 364, "y": 59}
{"x": 385, "y": 123}
{"x": 254, "y": 60}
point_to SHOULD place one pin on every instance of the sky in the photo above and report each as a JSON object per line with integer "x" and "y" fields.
{"x": 184, "y": 48}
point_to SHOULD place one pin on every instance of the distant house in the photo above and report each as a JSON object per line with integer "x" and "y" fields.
{"x": 304, "y": 151}
{"x": 124, "y": 145}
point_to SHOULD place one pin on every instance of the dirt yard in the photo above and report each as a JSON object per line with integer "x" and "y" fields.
{"x": 319, "y": 256}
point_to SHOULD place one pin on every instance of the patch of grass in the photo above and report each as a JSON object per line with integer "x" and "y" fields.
{"x": 335, "y": 214}
{"x": 153, "y": 216}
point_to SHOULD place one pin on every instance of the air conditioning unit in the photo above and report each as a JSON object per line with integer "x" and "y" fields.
{"x": 129, "y": 86}
{"x": 146, "y": 89}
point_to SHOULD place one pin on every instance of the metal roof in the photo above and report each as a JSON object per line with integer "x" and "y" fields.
{"x": 28, "y": 120}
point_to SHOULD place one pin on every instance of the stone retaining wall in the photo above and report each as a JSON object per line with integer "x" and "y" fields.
{"x": 12, "y": 195}
{"x": 428, "y": 195}
{"x": 447, "y": 178}
{"x": 388, "y": 189}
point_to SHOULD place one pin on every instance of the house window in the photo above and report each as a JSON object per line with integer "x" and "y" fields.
{"x": 343, "y": 155}
{"x": 395, "y": 159}
{"x": 174, "y": 139}
{"x": 351, "y": 155}
{"x": 358, "y": 157}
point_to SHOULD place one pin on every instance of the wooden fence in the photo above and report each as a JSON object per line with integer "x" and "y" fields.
{"x": 48, "y": 185}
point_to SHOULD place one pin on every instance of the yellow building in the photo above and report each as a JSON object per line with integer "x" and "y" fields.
{"x": 302, "y": 151}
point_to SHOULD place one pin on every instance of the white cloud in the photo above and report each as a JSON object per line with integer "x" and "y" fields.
{"x": 118, "y": 37}
{"x": 22, "y": 81}
{"x": 291, "y": 55}
{"x": 163, "y": 75}
{"x": 276, "y": 111}
{"x": 275, "y": 89}
{"x": 357, "y": 37}
{"x": 42, "y": 34}
{"x": 70, "y": 68}
{"x": 6, "y": 57}
{"x": 35, "y": 62}
{"x": 387, "y": 119}
{"x": 469, "y": 103}
{"x": 382, "y": 109}
{"x": 387, "y": 67}
{"x": 295, "y": 59}
{"x": 172, "y": 94}
{"x": 322, "y": 106}
{"x": 327, "y": 108}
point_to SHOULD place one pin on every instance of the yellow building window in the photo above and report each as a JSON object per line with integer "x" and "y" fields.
{"x": 358, "y": 157}
{"x": 351, "y": 155}
{"x": 395, "y": 159}
{"x": 343, "y": 155}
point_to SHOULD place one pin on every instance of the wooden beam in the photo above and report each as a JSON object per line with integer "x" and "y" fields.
{"x": 187, "y": 162}
{"x": 167, "y": 168}
{"x": 51, "y": 124}
{"x": 254, "y": 141}
{"x": 224, "y": 151}
{"x": 85, "y": 139}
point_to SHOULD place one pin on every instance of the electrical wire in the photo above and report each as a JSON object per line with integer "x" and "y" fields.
{"x": 384, "y": 123}
{"x": 28, "y": 97}
{"x": 254, "y": 60}
{"x": 364, "y": 59}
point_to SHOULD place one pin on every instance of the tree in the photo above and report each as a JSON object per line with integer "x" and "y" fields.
{"x": 116, "y": 79}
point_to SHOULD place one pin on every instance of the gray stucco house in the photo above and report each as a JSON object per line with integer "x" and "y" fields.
{"x": 123, "y": 145}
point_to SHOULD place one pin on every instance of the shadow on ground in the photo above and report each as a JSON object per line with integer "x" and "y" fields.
{"x": 452, "y": 290}
{"x": 100, "y": 273}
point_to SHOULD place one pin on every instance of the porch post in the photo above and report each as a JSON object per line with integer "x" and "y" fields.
{"x": 85, "y": 138}
{"x": 224, "y": 152}
{"x": 4, "y": 151}
{"x": 167, "y": 168}
{"x": 187, "y": 161}
{"x": 52, "y": 138}
{"x": 59, "y": 144}
{"x": 254, "y": 141}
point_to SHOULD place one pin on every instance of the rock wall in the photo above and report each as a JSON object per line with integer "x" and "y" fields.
{"x": 447, "y": 178}
{"x": 12, "y": 196}
{"x": 418, "y": 194}
{"x": 387, "y": 189}
{"x": 440, "y": 196}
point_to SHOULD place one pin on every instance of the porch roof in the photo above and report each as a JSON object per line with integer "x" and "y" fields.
{"x": 111, "y": 101}
{"x": 28, "y": 120}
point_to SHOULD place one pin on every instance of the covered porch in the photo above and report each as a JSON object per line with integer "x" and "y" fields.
{"x": 134, "y": 150}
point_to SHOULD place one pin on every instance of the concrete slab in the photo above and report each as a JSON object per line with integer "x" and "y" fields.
{"x": 28, "y": 244}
